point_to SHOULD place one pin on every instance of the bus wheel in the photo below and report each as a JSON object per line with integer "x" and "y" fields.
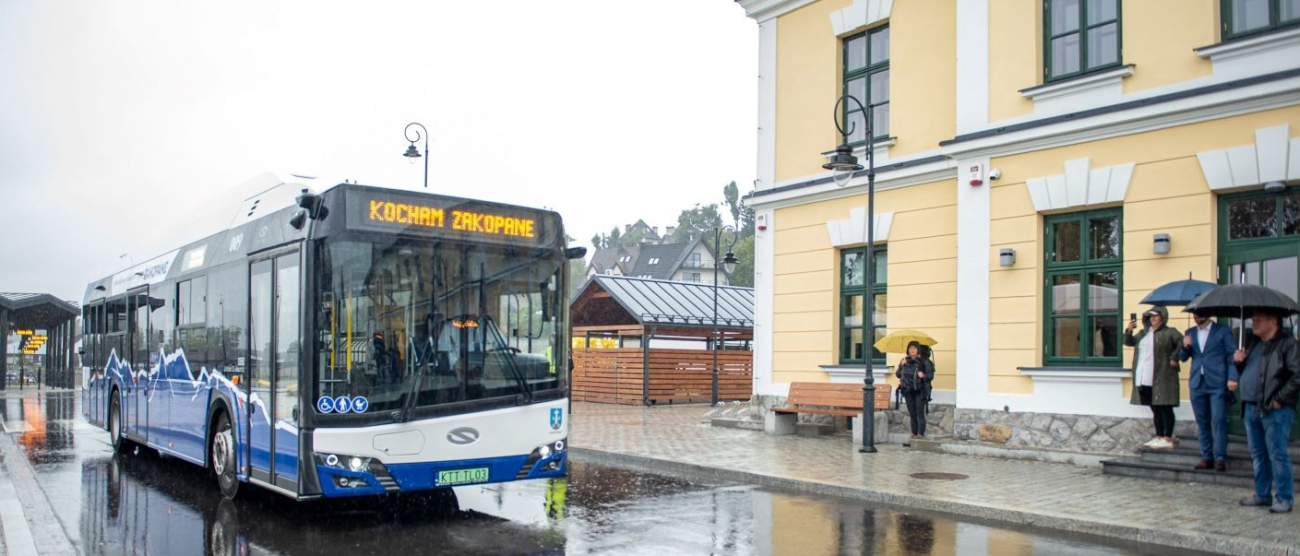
{"x": 223, "y": 456}
{"x": 115, "y": 424}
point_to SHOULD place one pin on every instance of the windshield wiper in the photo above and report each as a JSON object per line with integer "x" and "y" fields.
{"x": 503, "y": 348}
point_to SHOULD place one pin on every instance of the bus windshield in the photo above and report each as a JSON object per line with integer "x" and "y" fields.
{"x": 415, "y": 323}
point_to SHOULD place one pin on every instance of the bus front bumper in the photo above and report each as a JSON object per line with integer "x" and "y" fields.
{"x": 343, "y": 475}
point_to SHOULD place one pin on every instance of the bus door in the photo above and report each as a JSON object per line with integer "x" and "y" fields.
{"x": 92, "y": 360}
{"x": 136, "y": 398}
{"x": 274, "y": 292}
{"x": 115, "y": 353}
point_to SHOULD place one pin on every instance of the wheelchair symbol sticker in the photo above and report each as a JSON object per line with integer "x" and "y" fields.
{"x": 325, "y": 404}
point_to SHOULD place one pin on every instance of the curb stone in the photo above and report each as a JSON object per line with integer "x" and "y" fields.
{"x": 1166, "y": 538}
{"x": 46, "y": 529}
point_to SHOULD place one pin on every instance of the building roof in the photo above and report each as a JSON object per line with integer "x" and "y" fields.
{"x": 683, "y": 304}
{"x": 610, "y": 257}
{"x": 37, "y": 310}
{"x": 666, "y": 257}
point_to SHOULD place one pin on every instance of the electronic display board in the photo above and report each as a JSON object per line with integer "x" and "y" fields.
{"x": 384, "y": 211}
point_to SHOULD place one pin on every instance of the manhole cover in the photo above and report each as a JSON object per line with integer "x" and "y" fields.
{"x": 940, "y": 476}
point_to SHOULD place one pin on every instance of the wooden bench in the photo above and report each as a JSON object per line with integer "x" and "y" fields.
{"x": 822, "y": 398}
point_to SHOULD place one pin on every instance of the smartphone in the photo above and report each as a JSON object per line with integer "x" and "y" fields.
{"x": 1133, "y": 317}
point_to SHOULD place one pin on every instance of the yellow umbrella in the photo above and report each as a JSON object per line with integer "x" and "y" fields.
{"x": 896, "y": 341}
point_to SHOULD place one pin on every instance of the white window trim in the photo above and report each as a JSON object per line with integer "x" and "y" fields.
{"x": 860, "y": 15}
{"x": 1275, "y": 156}
{"x": 1080, "y": 186}
{"x": 1079, "y": 93}
{"x": 1266, "y": 53}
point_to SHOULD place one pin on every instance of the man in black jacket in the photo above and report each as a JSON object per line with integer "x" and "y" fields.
{"x": 1269, "y": 388}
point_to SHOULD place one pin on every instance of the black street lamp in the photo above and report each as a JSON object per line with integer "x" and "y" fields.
{"x": 411, "y": 154}
{"x": 729, "y": 261}
{"x": 843, "y": 165}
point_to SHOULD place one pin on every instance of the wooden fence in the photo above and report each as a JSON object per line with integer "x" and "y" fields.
{"x": 676, "y": 375}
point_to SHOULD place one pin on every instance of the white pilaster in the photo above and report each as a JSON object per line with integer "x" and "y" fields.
{"x": 764, "y": 299}
{"x": 766, "y": 105}
{"x": 972, "y": 65}
{"x": 973, "y": 258}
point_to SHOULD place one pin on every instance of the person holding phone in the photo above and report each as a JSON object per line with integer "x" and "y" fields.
{"x": 1155, "y": 371}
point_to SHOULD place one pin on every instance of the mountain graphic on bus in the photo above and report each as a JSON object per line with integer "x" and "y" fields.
{"x": 187, "y": 399}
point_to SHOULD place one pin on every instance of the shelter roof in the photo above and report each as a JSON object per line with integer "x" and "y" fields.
{"x": 682, "y": 304}
{"x": 37, "y": 310}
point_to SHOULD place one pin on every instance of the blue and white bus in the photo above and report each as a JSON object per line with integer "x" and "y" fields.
{"x": 343, "y": 341}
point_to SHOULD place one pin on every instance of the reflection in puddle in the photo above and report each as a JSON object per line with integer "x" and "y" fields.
{"x": 146, "y": 504}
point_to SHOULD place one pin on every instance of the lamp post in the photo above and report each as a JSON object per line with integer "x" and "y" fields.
{"x": 843, "y": 165}
{"x": 411, "y": 154}
{"x": 728, "y": 261}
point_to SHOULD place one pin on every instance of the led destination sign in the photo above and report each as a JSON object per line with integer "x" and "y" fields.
{"x": 434, "y": 215}
{"x": 419, "y": 215}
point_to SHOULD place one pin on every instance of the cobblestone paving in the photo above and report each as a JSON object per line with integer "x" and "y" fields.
{"x": 1054, "y": 495}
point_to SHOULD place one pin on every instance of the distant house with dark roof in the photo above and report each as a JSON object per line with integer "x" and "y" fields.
{"x": 691, "y": 261}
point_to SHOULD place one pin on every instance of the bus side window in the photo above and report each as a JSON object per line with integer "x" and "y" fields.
{"x": 162, "y": 323}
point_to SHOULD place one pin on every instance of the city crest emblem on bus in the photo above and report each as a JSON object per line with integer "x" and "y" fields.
{"x": 557, "y": 418}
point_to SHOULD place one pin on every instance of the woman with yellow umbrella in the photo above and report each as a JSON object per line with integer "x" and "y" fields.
{"x": 915, "y": 372}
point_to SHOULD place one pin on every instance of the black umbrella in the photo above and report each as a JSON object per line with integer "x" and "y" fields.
{"x": 1235, "y": 300}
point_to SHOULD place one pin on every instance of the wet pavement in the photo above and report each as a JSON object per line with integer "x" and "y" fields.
{"x": 146, "y": 504}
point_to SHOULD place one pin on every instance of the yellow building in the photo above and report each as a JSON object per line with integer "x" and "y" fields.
{"x": 1070, "y": 136}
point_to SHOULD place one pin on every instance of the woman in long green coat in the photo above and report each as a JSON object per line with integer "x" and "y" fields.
{"x": 1155, "y": 372}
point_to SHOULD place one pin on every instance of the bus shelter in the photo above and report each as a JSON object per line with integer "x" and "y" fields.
{"x": 47, "y": 328}
{"x": 639, "y": 341}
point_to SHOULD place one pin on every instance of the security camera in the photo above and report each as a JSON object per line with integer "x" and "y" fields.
{"x": 995, "y": 174}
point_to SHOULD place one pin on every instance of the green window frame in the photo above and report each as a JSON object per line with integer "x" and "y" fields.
{"x": 866, "y": 78}
{"x": 853, "y": 289}
{"x": 1240, "y": 18}
{"x": 1082, "y": 325}
{"x": 1081, "y": 36}
{"x": 1259, "y": 218}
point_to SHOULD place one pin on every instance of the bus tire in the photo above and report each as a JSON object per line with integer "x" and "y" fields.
{"x": 221, "y": 450}
{"x": 115, "y": 423}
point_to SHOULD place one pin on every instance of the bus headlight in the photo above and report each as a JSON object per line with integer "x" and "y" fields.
{"x": 355, "y": 464}
{"x": 547, "y": 450}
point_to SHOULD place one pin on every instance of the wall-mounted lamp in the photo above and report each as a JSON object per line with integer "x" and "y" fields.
{"x": 1275, "y": 187}
{"x": 1162, "y": 244}
{"x": 1007, "y": 257}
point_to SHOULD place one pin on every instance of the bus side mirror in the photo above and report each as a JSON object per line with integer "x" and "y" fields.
{"x": 315, "y": 205}
{"x": 575, "y": 252}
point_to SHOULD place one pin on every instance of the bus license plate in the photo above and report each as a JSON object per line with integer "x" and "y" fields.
{"x": 462, "y": 476}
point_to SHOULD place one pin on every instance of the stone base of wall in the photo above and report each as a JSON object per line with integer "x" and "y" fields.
{"x": 1081, "y": 433}
{"x": 1077, "y": 433}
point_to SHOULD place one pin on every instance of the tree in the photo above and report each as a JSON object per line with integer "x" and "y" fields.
{"x": 698, "y": 221}
{"x": 632, "y": 237}
{"x": 731, "y": 194}
{"x": 577, "y": 276}
{"x": 598, "y": 241}
{"x": 744, "y": 273}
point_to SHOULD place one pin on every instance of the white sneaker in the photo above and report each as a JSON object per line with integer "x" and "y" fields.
{"x": 1162, "y": 444}
{"x": 1151, "y": 443}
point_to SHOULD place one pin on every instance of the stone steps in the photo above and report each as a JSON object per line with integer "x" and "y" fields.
{"x": 1133, "y": 467}
{"x": 1177, "y": 464}
{"x": 1236, "y": 446}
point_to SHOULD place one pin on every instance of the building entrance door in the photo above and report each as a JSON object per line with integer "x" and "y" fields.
{"x": 1259, "y": 243}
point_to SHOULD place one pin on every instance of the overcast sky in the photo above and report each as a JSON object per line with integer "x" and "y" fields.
{"x": 116, "y": 117}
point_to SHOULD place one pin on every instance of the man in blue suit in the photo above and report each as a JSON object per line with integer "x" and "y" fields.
{"x": 1209, "y": 345}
